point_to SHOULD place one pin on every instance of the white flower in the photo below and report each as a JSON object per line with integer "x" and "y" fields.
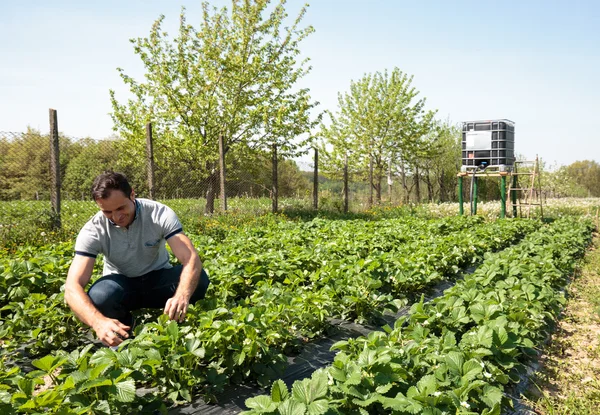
{"x": 43, "y": 233}
{"x": 465, "y": 404}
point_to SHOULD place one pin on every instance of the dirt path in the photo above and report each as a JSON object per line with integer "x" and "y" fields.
{"x": 568, "y": 380}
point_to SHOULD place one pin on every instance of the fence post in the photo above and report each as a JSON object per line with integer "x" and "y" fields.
{"x": 346, "y": 183}
{"x": 370, "y": 181}
{"x": 275, "y": 186}
{"x": 150, "y": 160}
{"x": 316, "y": 181}
{"x": 54, "y": 168}
{"x": 222, "y": 172}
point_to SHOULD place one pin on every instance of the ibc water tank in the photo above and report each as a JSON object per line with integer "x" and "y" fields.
{"x": 491, "y": 142}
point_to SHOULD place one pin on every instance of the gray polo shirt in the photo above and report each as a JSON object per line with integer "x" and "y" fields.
{"x": 132, "y": 251}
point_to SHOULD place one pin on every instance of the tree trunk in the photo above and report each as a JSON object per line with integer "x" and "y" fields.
{"x": 378, "y": 189}
{"x": 404, "y": 185}
{"x": 211, "y": 193}
{"x": 417, "y": 184}
{"x": 443, "y": 190}
{"x": 429, "y": 183}
{"x": 370, "y": 181}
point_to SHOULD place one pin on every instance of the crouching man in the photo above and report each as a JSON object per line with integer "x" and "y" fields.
{"x": 131, "y": 234}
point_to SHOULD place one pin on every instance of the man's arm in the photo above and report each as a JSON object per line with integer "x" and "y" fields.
{"x": 176, "y": 306}
{"x": 79, "y": 275}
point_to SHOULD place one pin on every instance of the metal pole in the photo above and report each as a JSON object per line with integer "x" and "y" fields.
{"x": 502, "y": 196}
{"x": 513, "y": 195}
{"x": 460, "y": 196}
{"x": 475, "y": 195}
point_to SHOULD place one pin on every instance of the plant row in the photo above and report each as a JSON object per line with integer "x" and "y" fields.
{"x": 457, "y": 354}
{"x": 215, "y": 346}
{"x": 358, "y": 286}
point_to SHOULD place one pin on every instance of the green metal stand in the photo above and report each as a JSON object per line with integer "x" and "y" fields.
{"x": 502, "y": 196}
{"x": 474, "y": 211}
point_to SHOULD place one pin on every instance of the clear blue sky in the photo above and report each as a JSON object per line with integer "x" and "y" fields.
{"x": 532, "y": 61}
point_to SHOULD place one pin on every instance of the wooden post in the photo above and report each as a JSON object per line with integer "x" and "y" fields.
{"x": 513, "y": 196}
{"x": 54, "y": 169}
{"x": 316, "y": 181}
{"x": 370, "y": 181}
{"x": 222, "y": 172}
{"x": 346, "y": 183}
{"x": 275, "y": 186}
{"x": 150, "y": 161}
{"x": 390, "y": 181}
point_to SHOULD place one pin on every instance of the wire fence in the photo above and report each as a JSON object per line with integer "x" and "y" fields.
{"x": 45, "y": 180}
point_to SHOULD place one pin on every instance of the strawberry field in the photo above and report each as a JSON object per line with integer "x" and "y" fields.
{"x": 278, "y": 285}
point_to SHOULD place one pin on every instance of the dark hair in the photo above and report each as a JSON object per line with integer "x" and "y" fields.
{"x": 108, "y": 181}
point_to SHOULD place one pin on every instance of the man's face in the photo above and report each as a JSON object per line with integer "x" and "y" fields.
{"x": 118, "y": 207}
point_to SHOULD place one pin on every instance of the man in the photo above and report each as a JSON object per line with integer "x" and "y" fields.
{"x": 131, "y": 234}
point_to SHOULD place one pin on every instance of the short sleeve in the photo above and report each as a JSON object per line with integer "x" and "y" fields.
{"x": 169, "y": 222}
{"x": 87, "y": 242}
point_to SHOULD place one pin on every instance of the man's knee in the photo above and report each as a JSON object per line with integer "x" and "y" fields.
{"x": 106, "y": 294}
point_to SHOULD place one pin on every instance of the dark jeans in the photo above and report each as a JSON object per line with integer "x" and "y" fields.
{"x": 116, "y": 295}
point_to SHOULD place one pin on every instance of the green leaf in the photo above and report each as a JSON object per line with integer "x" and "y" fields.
{"x": 291, "y": 407}
{"x": 173, "y": 330}
{"x": 279, "y": 391}
{"x": 471, "y": 369}
{"x": 427, "y": 385}
{"x": 125, "y": 390}
{"x": 491, "y": 395}
{"x": 455, "y": 361}
{"x": 309, "y": 390}
{"x": 261, "y": 403}
{"x": 318, "y": 407}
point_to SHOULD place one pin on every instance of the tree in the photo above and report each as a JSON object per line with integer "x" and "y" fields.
{"x": 92, "y": 159}
{"x": 586, "y": 173}
{"x": 442, "y": 162}
{"x": 380, "y": 124}
{"x": 236, "y": 76}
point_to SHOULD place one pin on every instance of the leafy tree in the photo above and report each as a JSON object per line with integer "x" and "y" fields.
{"x": 380, "y": 125}
{"x": 586, "y": 174}
{"x": 236, "y": 76}
{"x": 442, "y": 162}
{"x": 557, "y": 182}
{"x": 93, "y": 158}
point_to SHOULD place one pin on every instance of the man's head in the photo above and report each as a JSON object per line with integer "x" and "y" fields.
{"x": 115, "y": 197}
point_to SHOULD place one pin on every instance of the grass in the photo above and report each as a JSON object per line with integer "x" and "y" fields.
{"x": 568, "y": 381}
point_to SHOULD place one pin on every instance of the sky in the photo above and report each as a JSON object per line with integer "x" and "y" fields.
{"x": 534, "y": 62}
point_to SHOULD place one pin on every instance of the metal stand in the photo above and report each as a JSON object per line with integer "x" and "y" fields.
{"x": 531, "y": 196}
{"x": 474, "y": 177}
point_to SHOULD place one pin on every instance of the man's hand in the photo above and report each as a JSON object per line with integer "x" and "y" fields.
{"x": 176, "y": 308}
{"x": 111, "y": 332}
